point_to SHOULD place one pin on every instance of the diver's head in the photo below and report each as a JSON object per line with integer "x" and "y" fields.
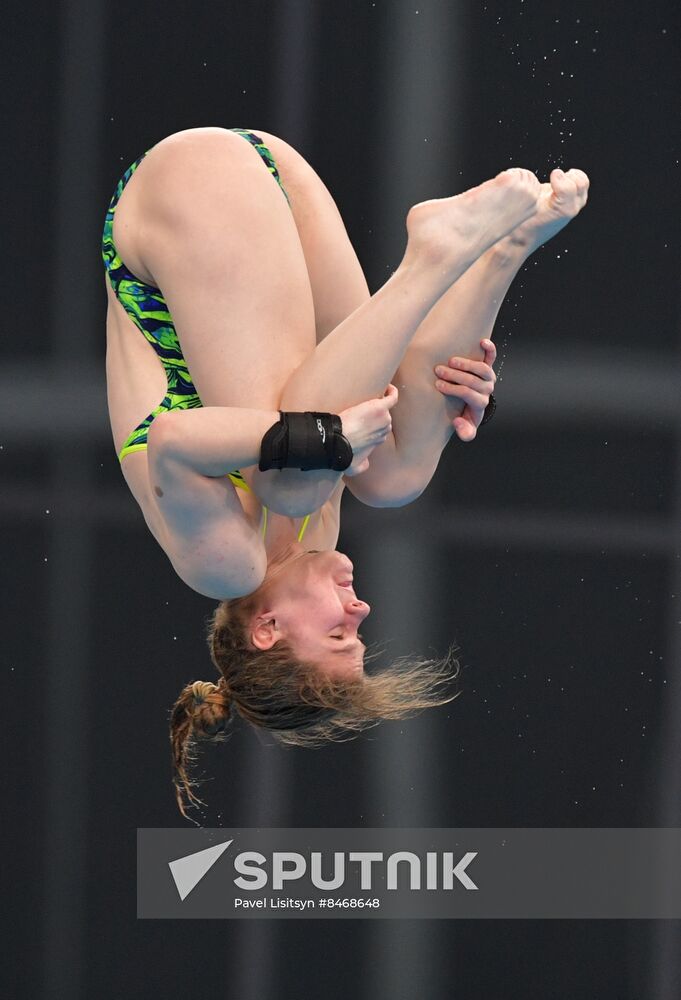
{"x": 291, "y": 661}
{"x": 308, "y": 601}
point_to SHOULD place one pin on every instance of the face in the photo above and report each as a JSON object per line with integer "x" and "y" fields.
{"x": 308, "y": 599}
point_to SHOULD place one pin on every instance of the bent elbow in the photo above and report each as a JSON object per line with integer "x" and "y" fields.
{"x": 164, "y": 435}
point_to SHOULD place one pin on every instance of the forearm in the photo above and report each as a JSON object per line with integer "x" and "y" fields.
{"x": 215, "y": 440}
{"x": 210, "y": 440}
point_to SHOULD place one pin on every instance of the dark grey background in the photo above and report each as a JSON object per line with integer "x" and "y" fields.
{"x": 548, "y": 550}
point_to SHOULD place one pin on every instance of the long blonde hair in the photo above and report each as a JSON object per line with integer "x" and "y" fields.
{"x": 295, "y": 701}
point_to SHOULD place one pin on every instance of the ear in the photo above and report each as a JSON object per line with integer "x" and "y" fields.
{"x": 264, "y": 632}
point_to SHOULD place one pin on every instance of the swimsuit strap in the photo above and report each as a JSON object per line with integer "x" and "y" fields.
{"x": 241, "y": 483}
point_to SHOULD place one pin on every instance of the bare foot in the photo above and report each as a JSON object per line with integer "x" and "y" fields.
{"x": 558, "y": 203}
{"x": 453, "y": 232}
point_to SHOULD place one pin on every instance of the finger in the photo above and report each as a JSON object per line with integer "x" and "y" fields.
{"x": 390, "y": 396}
{"x": 468, "y": 393}
{"x": 490, "y": 349}
{"x": 457, "y": 377}
{"x": 480, "y": 368}
{"x": 474, "y": 415}
{"x": 465, "y": 431}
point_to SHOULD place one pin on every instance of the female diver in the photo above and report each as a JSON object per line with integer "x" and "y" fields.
{"x": 226, "y": 251}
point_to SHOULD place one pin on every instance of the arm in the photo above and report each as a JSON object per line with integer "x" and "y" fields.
{"x": 212, "y": 441}
{"x": 188, "y": 446}
{"x": 404, "y": 464}
{"x": 208, "y": 441}
{"x": 208, "y": 538}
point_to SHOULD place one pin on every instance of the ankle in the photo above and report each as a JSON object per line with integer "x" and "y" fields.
{"x": 426, "y": 278}
{"x": 508, "y": 253}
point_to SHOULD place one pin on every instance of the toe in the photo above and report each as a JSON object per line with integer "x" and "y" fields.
{"x": 527, "y": 179}
{"x": 564, "y": 185}
{"x": 579, "y": 176}
{"x": 582, "y": 184}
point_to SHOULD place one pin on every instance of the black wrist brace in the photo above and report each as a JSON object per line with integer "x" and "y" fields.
{"x": 305, "y": 441}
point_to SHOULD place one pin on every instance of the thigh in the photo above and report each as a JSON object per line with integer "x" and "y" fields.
{"x": 206, "y": 222}
{"x": 335, "y": 274}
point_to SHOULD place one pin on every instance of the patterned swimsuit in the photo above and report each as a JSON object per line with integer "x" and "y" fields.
{"x": 147, "y": 308}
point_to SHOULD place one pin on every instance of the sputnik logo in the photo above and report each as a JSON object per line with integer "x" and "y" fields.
{"x": 187, "y": 872}
{"x": 290, "y": 866}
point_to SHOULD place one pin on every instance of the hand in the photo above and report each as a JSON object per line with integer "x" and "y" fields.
{"x": 366, "y": 426}
{"x": 473, "y": 383}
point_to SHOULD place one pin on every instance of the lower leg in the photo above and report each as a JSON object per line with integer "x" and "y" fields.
{"x": 446, "y": 236}
{"x": 460, "y": 320}
{"x": 422, "y": 419}
{"x": 462, "y": 317}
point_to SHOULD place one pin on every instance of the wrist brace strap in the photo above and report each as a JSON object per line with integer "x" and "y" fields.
{"x": 305, "y": 441}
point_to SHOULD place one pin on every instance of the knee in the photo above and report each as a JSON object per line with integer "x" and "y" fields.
{"x": 187, "y": 176}
{"x": 387, "y": 491}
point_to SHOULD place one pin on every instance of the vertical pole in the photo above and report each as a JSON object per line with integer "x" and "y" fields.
{"x": 399, "y": 765}
{"x": 69, "y": 676}
{"x": 268, "y": 768}
{"x": 416, "y": 117}
{"x": 665, "y": 957}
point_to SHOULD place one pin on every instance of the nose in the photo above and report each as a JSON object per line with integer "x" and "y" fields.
{"x": 359, "y": 609}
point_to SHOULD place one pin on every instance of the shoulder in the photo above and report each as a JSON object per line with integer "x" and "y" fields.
{"x": 207, "y": 537}
{"x": 218, "y": 568}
